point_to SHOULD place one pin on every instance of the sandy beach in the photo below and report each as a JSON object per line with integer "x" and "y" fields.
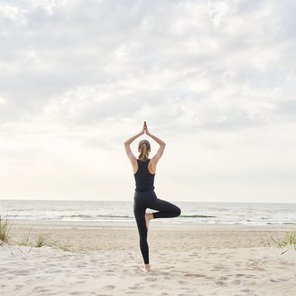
{"x": 105, "y": 259}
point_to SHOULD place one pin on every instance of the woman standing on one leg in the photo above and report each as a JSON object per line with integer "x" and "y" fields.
{"x": 145, "y": 197}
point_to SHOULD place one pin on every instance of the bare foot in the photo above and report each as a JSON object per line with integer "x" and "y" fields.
{"x": 148, "y": 217}
{"x": 147, "y": 267}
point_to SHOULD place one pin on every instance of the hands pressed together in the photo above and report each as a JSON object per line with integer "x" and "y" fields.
{"x": 145, "y": 129}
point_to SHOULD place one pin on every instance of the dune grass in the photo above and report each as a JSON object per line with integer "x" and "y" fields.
{"x": 64, "y": 245}
{"x": 26, "y": 240}
{"x": 38, "y": 241}
{"x": 5, "y": 227}
{"x": 41, "y": 240}
{"x": 288, "y": 242}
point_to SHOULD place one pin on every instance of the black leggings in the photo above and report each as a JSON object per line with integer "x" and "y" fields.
{"x": 148, "y": 199}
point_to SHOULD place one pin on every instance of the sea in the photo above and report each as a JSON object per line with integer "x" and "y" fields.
{"x": 122, "y": 211}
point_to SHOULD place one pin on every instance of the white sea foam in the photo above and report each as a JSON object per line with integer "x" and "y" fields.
{"x": 192, "y": 212}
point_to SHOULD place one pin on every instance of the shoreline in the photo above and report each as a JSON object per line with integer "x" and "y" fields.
{"x": 155, "y": 221}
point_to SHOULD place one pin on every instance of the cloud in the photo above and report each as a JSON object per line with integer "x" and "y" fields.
{"x": 186, "y": 50}
{"x": 88, "y": 73}
{"x": 2, "y": 100}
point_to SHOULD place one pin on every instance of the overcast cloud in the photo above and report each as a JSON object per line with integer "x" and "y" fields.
{"x": 214, "y": 79}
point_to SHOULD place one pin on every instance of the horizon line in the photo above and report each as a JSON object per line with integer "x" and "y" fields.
{"x": 185, "y": 201}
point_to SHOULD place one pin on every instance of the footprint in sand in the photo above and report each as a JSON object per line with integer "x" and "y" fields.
{"x": 42, "y": 291}
{"x": 235, "y": 282}
{"x": 135, "y": 287}
{"x": 109, "y": 287}
{"x": 251, "y": 283}
{"x": 151, "y": 279}
{"x": 258, "y": 268}
{"x": 221, "y": 283}
{"x": 183, "y": 282}
{"x": 245, "y": 290}
{"x": 194, "y": 275}
{"x": 239, "y": 275}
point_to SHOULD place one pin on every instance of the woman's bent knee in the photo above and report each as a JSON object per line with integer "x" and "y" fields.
{"x": 178, "y": 211}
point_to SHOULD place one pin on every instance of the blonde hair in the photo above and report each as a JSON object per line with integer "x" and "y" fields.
{"x": 144, "y": 149}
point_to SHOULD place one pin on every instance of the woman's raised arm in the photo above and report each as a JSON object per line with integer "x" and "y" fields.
{"x": 127, "y": 143}
{"x": 161, "y": 143}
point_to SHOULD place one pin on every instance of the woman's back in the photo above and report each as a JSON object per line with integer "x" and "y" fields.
{"x": 144, "y": 179}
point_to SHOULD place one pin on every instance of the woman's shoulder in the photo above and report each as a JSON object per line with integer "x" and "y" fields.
{"x": 151, "y": 167}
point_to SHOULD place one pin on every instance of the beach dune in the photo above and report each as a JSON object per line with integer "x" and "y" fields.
{"x": 105, "y": 259}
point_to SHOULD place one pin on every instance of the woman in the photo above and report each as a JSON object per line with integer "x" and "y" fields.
{"x": 145, "y": 197}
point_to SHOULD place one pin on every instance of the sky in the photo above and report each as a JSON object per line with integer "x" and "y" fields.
{"x": 215, "y": 80}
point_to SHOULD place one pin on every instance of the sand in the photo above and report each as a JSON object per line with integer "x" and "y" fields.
{"x": 105, "y": 259}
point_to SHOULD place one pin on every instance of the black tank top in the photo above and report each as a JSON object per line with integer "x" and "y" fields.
{"x": 144, "y": 179}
